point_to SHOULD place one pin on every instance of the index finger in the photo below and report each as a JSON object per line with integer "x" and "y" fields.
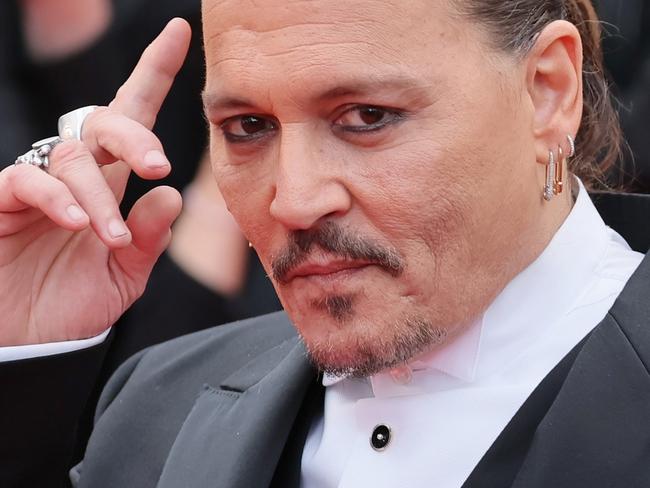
{"x": 142, "y": 95}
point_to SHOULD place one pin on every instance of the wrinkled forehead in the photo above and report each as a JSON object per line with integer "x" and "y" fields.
{"x": 324, "y": 35}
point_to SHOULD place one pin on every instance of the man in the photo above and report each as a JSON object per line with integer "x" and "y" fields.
{"x": 456, "y": 289}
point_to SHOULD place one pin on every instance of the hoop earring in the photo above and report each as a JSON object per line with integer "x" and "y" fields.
{"x": 572, "y": 146}
{"x": 549, "y": 187}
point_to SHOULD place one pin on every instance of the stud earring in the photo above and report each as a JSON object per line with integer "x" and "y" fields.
{"x": 550, "y": 177}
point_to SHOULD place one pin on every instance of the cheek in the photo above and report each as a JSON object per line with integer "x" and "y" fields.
{"x": 416, "y": 193}
{"x": 418, "y": 197}
{"x": 247, "y": 196}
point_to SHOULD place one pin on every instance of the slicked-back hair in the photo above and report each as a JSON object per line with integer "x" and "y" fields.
{"x": 514, "y": 26}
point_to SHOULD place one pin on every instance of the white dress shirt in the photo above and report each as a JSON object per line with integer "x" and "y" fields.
{"x": 447, "y": 408}
{"x": 15, "y": 353}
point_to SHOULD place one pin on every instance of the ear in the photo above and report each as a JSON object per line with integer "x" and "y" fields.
{"x": 554, "y": 80}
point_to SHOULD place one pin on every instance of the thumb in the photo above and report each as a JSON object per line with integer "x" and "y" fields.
{"x": 150, "y": 220}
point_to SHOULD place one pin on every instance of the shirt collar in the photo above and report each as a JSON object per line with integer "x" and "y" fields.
{"x": 542, "y": 293}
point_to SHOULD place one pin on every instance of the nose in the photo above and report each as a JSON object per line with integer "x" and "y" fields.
{"x": 309, "y": 187}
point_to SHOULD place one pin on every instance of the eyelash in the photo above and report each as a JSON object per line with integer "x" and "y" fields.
{"x": 237, "y": 139}
{"x": 393, "y": 116}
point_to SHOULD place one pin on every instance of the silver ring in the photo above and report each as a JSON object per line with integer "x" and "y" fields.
{"x": 71, "y": 124}
{"x": 39, "y": 154}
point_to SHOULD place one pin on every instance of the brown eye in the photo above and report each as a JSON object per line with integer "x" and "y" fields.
{"x": 252, "y": 124}
{"x": 367, "y": 118}
{"x": 371, "y": 115}
{"x": 246, "y": 127}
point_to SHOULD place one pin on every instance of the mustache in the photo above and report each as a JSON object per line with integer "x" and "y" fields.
{"x": 332, "y": 238}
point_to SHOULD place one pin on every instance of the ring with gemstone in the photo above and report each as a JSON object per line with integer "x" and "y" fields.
{"x": 39, "y": 154}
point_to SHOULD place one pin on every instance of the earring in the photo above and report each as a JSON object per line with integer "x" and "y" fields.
{"x": 558, "y": 183}
{"x": 250, "y": 244}
{"x": 550, "y": 177}
{"x": 555, "y": 170}
{"x": 572, "y": 146}
{"x": 559, "y": 171}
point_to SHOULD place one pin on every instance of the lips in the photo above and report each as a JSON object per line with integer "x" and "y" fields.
{"x": 328, "y": 269}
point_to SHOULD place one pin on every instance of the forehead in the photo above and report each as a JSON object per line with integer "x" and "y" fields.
{"x": 323, "y": 38}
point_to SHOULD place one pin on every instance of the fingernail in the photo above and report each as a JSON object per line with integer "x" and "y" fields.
{"x": 117, "y": 229}
{"x": 75, "y": 213}
{"x": 155, "y": 159}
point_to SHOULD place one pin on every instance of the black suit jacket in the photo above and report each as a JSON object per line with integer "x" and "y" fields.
{"x": 231, "y": 407}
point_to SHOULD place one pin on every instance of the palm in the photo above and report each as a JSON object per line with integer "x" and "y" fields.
{"x": 58, "y": 284}
{"x": 55, "y": 279}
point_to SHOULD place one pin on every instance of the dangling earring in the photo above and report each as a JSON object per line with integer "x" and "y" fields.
{"x": 558, "y": 183}
{"x": 559, "y": 172}
{"x": 555, "y": 170}
{"x": 550, "y": 177}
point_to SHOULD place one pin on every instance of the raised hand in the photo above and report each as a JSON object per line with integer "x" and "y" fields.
{"x": 69, "y": 264}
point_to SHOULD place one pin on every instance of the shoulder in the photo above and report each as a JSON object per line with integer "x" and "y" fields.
{"x": 147, "y": 401}
{"x": 628, "y": 214}
{"x": 223, "y": 348}
{"x": 185, "y": 364}
{"x": 631, "y": 312}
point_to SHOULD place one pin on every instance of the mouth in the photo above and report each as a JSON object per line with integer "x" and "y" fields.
{"x": 326, "y": 271}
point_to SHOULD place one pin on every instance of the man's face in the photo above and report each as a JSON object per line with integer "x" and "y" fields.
{"x": 380, "y": 161}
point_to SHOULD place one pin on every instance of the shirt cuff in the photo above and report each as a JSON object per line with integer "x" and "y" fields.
{"x": 16, "y": 353}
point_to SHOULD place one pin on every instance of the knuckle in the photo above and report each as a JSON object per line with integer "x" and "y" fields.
{"x": 69, "y": 156}
{"x": 121, "y": 93}
{"x": 7, "y": 224}
{"x": 94, "y": 121}
{"x": 21, "y": 174}
{"x": 99, "y": 193}
{"x": 105, "y": 139}
{"x": 48, "y": 198}
{"x": 48, "y": 190}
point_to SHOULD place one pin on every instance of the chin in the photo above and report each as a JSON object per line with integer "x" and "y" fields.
{"x": 362, "y": 344}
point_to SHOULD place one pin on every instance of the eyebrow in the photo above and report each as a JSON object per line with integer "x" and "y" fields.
{"x": 371, "y": 86}
{"x": 214, "y": 101}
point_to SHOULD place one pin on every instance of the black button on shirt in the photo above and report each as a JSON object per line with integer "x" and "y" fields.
{"x": 380, "y": 437}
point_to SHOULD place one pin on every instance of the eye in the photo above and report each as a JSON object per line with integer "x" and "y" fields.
{"x": 245, "y": 128}
{"x": 367, "y": 118}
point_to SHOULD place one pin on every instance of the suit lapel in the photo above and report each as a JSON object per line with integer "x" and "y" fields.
{"x": 587, "y": 426}
{"x": 288, "y": 472}
{"x": 500, "y": 464}
{"x": 587, "y": 422}
{"x": 235, "y": 433}
{"x": 596, "y": 431}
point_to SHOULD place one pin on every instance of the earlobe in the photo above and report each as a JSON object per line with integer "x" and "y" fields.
{"x": 554, "y": 78}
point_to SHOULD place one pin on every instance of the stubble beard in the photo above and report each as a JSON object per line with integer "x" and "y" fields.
{"x": 360, "y": 354}
{"x": 356, "y": 348}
